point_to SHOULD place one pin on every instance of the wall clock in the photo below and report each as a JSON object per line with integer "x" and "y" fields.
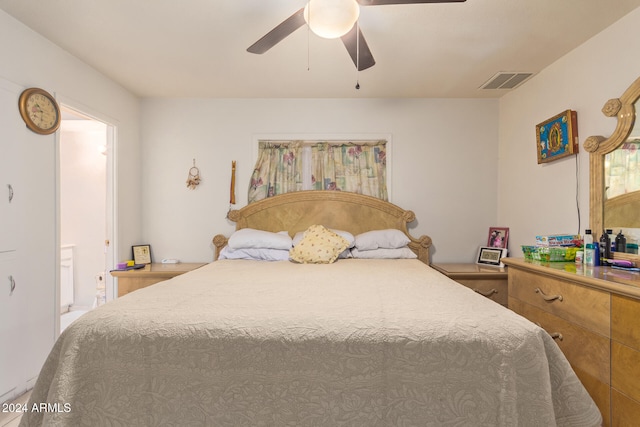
{"x": 40, "y": 111}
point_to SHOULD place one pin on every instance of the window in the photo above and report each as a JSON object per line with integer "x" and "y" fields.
{"x": 354, "y": 166}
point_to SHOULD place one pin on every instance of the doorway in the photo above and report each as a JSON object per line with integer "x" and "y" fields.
{"x": 85, "y": 196}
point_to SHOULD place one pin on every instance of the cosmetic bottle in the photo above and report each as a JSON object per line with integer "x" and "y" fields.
{"x": 621, "y": 242}
{"x": 588, "y": 237}
{"x": 612, "y": 242}
{"x": 605, "y": 247}
{"x": 590, "y": 255}
{"x": 596, "y": 255}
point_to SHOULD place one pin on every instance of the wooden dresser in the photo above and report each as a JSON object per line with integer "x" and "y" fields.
{"x": 489, "y": 281}
{"x": 131, "y": 280}
{"x": 593, "y": 313}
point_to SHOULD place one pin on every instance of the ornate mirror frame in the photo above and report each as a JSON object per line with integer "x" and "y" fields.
{"x": 599, "y": 146}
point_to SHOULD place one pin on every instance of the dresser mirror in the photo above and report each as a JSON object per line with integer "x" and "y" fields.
{"x": 614, "y": 172}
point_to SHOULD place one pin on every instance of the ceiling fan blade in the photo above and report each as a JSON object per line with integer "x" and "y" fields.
{"x": 351, "y": 43}
{"x": 276, "y": 35}
{"x": 383, "y": 2}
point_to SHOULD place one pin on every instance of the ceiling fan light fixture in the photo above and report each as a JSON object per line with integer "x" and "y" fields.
{"x": 331, "y": 19}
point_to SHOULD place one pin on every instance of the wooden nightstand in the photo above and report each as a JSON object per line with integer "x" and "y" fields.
{"x": 131, "y": 280}
{"x": 486, "y": 280}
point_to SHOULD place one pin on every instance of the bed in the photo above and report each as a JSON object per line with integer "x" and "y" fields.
{"x": 355, "y": 342}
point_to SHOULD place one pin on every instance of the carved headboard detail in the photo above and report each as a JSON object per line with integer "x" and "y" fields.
{"x": 351, "y": 212}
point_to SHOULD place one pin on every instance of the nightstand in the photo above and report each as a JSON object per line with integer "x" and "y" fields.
{"x": 489, "y": 281}
{"x": 131, "y": 280}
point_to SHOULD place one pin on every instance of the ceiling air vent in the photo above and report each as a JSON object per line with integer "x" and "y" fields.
{"x": 504, "y": 80}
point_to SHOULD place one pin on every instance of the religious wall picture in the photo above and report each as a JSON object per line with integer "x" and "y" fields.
{"x": 557, "y": 137}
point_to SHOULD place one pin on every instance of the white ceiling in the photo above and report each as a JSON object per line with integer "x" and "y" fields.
{"x": 197, "y": 48}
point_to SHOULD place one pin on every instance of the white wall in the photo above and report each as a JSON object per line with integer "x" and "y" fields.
{"x": 541, "y": 199}
{"x": 28, "y": 60}
{"x": 443, "y": 163}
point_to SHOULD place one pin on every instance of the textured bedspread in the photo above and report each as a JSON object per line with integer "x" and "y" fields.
{"x": 355, "y": 343}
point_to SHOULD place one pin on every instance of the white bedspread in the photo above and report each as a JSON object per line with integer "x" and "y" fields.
{"x": 355, "y": 343}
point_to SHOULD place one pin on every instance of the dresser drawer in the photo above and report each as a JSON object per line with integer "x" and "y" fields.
{"x": 495, "y": 290}
{"x": 132, "y": 280}
{"x": 625, "y": 313}
{"x": 626, "y": 412}
{"x": 599, "y": 392}
{"x": 584, "y": 306}
{"x": 625, "y": 370}
{"x": 489, "y": 281}
{"x": 585, "y": 350}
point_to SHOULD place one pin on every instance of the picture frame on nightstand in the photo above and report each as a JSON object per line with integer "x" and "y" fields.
{"x": 141, "y": 254}
{"x": 491, "y": 256}
{"x": 498, "y": 237}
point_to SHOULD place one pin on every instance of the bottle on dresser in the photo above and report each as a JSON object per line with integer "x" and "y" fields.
{"x": 612, "y": 241}
{"x": 588, "y": 237}
{"x": 621, "y": 242}
{"x": 605, "y": 247}
{"x": 591, "y": 255}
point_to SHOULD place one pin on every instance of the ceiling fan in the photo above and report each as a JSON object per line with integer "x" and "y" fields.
{"x": 332, "y": 19}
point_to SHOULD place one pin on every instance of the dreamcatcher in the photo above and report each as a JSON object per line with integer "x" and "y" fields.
{"x": 194, "y": 176}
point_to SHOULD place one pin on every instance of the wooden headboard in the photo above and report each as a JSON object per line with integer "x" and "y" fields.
{"x": 351, "y": 212}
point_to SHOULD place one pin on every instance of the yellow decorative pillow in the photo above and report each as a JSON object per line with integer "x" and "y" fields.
{"x": 318, "y": 246}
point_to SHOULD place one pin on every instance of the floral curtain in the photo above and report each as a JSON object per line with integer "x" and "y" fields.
{"x": 354, "y": 167}
{"x": 357, "y": 167}
{"x": 277, "y": 171}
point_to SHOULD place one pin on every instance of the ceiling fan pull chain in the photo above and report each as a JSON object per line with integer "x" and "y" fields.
{"x": 358, "y": 54}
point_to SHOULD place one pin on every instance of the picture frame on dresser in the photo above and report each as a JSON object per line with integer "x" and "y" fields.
{"x": 141, "y": 254}
{"x": 498, "y": 237}
{"x": 491, "y": 256}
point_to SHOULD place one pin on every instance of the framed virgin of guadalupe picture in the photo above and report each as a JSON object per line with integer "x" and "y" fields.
{"x": 557, "y": 137}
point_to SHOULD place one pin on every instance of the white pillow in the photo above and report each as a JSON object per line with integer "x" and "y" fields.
{"x": 250, "y": 238}
{"x": 384, "y": 253}
{"x": 386, "y": 239}
{"x": 254, "y": 254}
{"x": 344, "y": 234}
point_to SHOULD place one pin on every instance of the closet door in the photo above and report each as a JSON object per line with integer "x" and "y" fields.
{"x": 27, "y": 246}
{"x": 12, "y": 301}
{"x": 8, "y": 165}
{"x": 12, "y": 284}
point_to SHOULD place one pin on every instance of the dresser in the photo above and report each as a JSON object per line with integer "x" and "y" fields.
{"x": 490, "y": 281}
{"x": 131, "y": 280}
{"x": 593, "y": 314}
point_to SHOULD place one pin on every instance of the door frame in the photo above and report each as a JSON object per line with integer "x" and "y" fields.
{"x": 111, "y": 225}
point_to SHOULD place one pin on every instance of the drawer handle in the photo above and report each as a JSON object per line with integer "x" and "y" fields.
{"x": 487, "y": 293}
{"x": 555, "y": 335}
{"x": 10, "y": 192}
{"x": 12, "y": 285}
{"x": 548, "y": 298}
